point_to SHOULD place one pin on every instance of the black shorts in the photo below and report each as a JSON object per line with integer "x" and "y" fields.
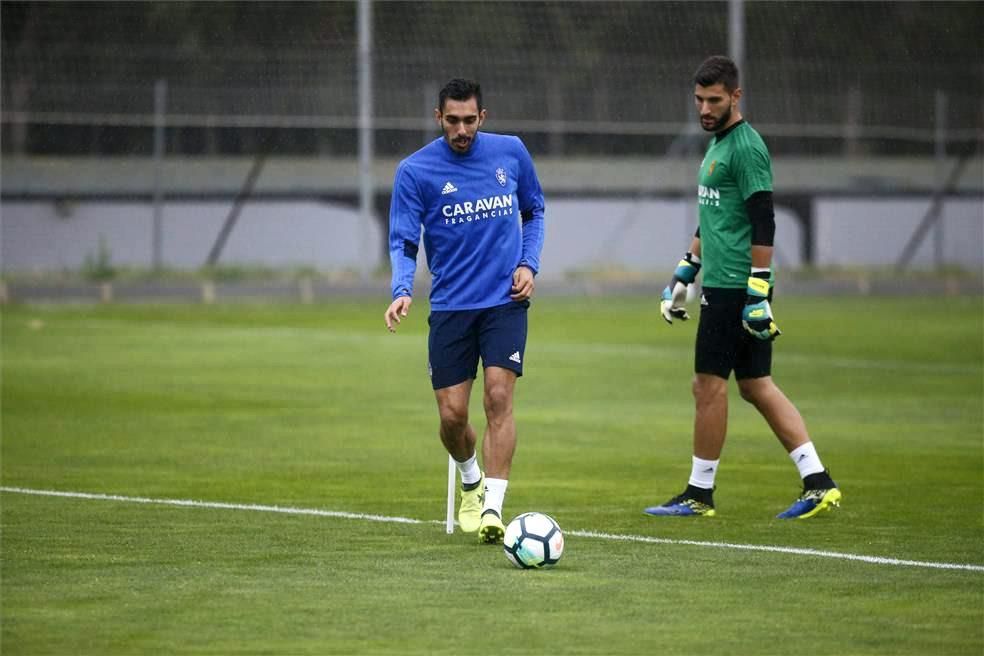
{"x": 723, "y": 345}
{"x": 459, "y": 337}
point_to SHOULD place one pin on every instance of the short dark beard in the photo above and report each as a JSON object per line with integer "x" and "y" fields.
{"x": 720, "y": 123}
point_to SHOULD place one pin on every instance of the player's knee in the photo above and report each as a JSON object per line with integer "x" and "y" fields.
{"x": 453, "y": 418}
{"x": 754, "y": 390}
{"x": 709, "y": 389}
{"x": 498, "y": 401}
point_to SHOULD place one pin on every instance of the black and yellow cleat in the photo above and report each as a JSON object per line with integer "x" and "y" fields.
{"x": 812, "y": 502}
{"x": 491, "y": 529}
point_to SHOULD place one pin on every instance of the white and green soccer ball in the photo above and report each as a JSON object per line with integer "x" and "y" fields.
{"x": 533, "y": 540}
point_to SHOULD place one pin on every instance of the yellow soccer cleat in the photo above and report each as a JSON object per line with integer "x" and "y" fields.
{"x": 491, "y": 529}
{"x": 470, "y": 510}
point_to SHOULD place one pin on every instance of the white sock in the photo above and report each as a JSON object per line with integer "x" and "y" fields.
{"x": 806, "y": 459}
{"x": 702, "y": 472}
{"x": 470, "y": 473}
{"x": 495, "y": 493}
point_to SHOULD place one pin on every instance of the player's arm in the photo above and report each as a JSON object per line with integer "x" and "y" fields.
{"x": 674, "y": 298}
{"x": 406, "y": 211}
{"x": 531, "y": 207}
{"x": 756, "y": 316}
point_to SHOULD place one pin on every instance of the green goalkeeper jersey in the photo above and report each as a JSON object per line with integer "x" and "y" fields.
{"x": 735, "y": 166}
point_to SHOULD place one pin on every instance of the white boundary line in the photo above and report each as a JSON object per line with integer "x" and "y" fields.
{"x": 287, "y": 510}
{"x": 875, "y": 560}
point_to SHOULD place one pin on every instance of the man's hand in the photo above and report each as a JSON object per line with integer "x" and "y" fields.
{"x": 673, "y": 301}
{"x": 397, "y": 309}
{"x": 522, "y": 284}
{"x": 674, "y": 298}
{"x": 756, "y": 316}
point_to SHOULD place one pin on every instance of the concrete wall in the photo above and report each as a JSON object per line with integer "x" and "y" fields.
{"x": 874, "y": 232}
{"x": 646, "y": 235}
{"x": 49, "y": 235}
{"x": 582, "y": 234}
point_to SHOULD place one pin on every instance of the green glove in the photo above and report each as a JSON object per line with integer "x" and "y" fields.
{"x": 674, "y": 298}
{"x": 756, "y": 316}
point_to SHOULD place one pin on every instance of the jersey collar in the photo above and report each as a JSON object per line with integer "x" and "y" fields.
{"x": 718, "y": 136}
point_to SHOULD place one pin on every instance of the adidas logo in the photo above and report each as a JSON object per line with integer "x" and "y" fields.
{"x": 448, "y": 189}
{"x": 515, "y": 357}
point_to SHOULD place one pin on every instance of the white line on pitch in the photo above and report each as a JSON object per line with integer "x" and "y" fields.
{"x": 875, "y": 560}
{"x": 215, "y": 504}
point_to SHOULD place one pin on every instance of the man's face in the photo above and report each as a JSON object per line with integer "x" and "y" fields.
{"x": 715, "y": 105}
{"x": 460, "y": 121}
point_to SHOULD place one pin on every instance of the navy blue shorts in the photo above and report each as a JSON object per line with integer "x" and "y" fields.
{"x": 723, "y": 345}
{"x": 459, "y": 337}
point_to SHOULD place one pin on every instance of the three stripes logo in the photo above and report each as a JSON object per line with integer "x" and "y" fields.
{"x": 515, "y": 358}
{"x": 448, "y": 189}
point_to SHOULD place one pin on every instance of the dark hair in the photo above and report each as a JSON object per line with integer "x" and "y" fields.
{"x": 460, "y": 89}
{"x": 717, "y": 69}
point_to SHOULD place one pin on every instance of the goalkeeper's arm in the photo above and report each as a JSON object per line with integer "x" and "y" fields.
{"x": 673, "y": 301}
{"x": 756, "y": 316}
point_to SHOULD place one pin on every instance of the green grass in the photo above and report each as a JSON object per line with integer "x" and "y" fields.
{"x": 318, "y": 407}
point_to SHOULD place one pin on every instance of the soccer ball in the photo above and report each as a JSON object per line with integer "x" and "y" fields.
{"x": 533, "y": 540}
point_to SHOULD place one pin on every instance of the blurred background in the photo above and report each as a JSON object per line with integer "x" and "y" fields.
{"x": 160, "y": 137}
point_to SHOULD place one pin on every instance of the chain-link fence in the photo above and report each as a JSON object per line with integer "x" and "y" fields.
{"x": 144, "y": 129}
{"x": 575, "y": 78}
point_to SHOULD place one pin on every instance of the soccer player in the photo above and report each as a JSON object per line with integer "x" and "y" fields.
{"x": 733, "y": 247}
{"x": 478, "y": 199}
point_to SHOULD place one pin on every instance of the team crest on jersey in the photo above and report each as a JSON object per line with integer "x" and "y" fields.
{"x": 710, "y": 170}
{"x": 500, "y": 176}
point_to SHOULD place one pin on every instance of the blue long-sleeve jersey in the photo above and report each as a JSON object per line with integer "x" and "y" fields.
{"x": 482, "y": 216}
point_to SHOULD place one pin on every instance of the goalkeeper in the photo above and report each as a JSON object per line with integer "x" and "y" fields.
{"x": 733, "y": 247}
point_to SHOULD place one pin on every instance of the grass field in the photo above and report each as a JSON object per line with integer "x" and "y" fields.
{"x": 318, "y": 408}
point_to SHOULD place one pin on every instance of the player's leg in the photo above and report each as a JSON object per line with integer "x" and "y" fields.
{"x": 718, "y": 335}
{"x": 498, "y": 448}
{"x": 710, "y": 417}
{"x": 457, "y": 434}
{"x": 710, "y": 428}
{"x": 499, "y": 444}
{"x": 502, "y": 339}
{"x": 753, "y": 370}
{"x": 453, "y": 362}
{"x": 459, "y": 439}
{"x": 777, "y": 410}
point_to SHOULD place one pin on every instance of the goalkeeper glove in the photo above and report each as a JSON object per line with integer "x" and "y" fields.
{"x": 674, "y": 296}
{"x": 756, "y": 316}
